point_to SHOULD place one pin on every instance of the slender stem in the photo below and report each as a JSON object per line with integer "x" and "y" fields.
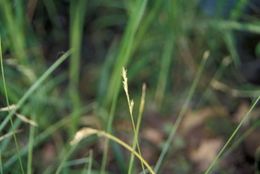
{"x": 231, "y": 137}
{"x": 8, "y": 105}
{"x": 90, "y": 161}
{"x": 64, "y": 159}
{"x": 111, "y": 137}
{"x": 182, "y": 113}
{"x": 86, "y": 132}
{"x": 109, "y": 129}
{"x": 1, "y": 164}
{"x": 30, "y": 149}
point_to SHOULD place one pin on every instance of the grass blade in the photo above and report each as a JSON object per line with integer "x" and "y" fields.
{"x": 30, "y": 149}
{"x": 90, "y": 162}
{"x": 216, "y": 159}
{"x": 77, "y": 14}
{"x": 182, "y": 113}
{"x": 234, "y": 25}
{"x": 86, "y": 132}
{"x": 164, "y": 70}
{"x": 15, "y": 26}
{"x": 66, "y": 156}
{"x": 8, "y": 104}
{"x": 35, "y": 86}
{"x": 1, "y": 164}
{"x": 122, "y": 59}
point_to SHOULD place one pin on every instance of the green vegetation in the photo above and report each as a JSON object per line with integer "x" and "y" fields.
{"x": 108, "y": 87}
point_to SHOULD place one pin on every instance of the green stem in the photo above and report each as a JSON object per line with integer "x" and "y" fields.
{"x": 231, "y": 137}
{"x": 182, "y": 113}
{"x": 8, "y": 104}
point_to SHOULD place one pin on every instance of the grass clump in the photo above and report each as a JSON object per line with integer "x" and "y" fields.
{"x": 51, "y": 108}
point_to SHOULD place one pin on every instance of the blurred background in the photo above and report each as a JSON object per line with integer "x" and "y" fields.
{"x": 199, "y": 61}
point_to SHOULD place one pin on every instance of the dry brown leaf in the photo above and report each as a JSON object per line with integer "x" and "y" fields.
{"x": 152, "y": 135}
{"x": 123, "y": 125}
{"x": 206, "y": 152}
{"x": 241, "y": 112}
{"x": 196, "y": 118}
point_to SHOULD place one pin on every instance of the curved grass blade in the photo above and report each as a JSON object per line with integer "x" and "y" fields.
{"x": 35, "y": 86}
